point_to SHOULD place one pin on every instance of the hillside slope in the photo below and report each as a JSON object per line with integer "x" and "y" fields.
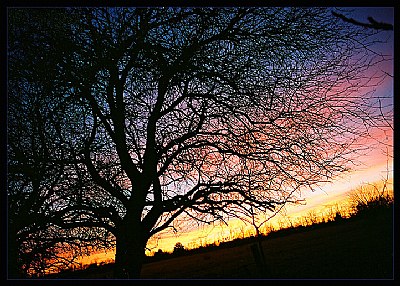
{"x": 360, "y": 248}
{"x": 356, "y": 249}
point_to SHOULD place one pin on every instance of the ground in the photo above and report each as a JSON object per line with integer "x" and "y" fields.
{"x": 360, "y": 248}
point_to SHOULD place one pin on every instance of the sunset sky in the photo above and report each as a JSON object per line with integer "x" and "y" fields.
{"x": 372, "y": 167}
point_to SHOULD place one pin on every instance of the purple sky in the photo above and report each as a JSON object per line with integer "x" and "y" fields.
{"x": 380, "y": 14}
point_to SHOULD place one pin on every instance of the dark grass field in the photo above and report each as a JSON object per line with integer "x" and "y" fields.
{"x": 360, "y": 248}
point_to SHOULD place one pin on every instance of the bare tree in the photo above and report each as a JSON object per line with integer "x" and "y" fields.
{"x": 166, "y": 108}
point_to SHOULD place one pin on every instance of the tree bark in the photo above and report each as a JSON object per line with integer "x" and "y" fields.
{"x": 130, "y": 252}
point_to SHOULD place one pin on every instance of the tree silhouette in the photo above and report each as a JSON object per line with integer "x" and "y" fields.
{"x": 373, "y": 24}
{"x": 179, "y": 248}
{"x": 160, "y": 113}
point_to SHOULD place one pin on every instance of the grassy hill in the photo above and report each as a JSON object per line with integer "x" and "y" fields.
{"x": 356, "y": 248}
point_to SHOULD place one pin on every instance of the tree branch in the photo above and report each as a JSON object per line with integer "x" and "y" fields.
{"x": 372, "y": 23}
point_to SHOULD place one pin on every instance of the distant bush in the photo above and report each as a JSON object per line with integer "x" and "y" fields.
{"x": 338, "y": 217}
{"x": 160, "y": 254}
{"x": 370, "y": 199}
{"x": 92, "y": 267}
{"x": 178, "y": 249}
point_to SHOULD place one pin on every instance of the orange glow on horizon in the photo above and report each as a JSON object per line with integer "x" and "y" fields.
{"x": 98, "y": 257}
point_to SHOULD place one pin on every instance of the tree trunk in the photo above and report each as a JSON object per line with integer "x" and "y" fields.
{"x": 258, "y": 236}
{"x": 130, "y": 253}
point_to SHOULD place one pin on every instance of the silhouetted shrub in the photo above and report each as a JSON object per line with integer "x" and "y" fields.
{"x": 371, "y": 200}
{"x": 160, "y": 254}
{"x": 179, "y": 249}
{"x": 338, "y": 217}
